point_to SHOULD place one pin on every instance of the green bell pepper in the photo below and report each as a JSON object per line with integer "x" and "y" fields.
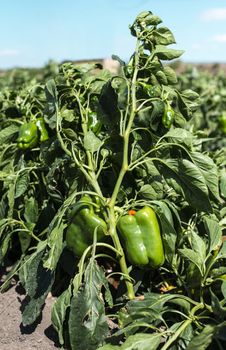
{"x": 85, "y": 220}
{"x": 28, "y": 136}
{"x": 140, "y": 235}
{"x": 44, "y": 136}
{"x": 94, "y": 124}
{"x": 222, "y": 123}
{"x": 168, "y": 116}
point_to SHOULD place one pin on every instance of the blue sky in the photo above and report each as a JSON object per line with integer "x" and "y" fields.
{"x": 33, "y": 32}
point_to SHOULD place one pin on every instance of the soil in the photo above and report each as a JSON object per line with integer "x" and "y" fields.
{"x": 13, "y": 335}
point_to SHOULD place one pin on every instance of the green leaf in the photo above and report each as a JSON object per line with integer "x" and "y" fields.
{"x": 170, "y": 75}
{"x": 37, "y": 282}
{"x": 161, "y": 77}
{"x": 151, "y": 192}
{"x": 222, "y": 252}
{"x": 188, "y": 102}
{"x": 203, "y": 340}
{"x": 91, "y": 142}
{"x": 3, "y": 209}
{"x": 163, "y": 36}
{"x": 11, "y": 199}
{"x": 180, "y": 136}
{"x": 55, "y": 243}
{"x": 209, "y": 171}
{"x": 52, "y": 103}
{"x": 156, "y": 114}
{"x": 154, "y": 65}
{"x": 58, "y": 312}
{"x": 185, "y": 337}
{"x": 31, "y": 210}
{"x": 118, "y": 59}
{"x": 22, "y": 183}
{"x": 169, "y": 234}
{"x": 7, "y": 134}
{"x": 149, "y": 309}
{"x": 223, "y": 183}
{"x": 151, "y": 116}
{"x": 220, "y": 331}
{"x": 143, "y": 15}
{"x": 71, "y": 134}
{"x": 68, "y": 115}
{"x": 109, "y": 347}
{"x": 218, "y": 272}
{"x": 189, "y": 179}
{"x": 87, "y": 321}
{"x": 223, "y": 289}
{"x": 51, "y": 90}
{"x": 192, "y": 256}
{"x": 29, "y": 268}
{"x": 152, "y": 20}
{"x": 25, "y": 240}
{"x": 109, "y": 104}
{"x": 142, "y": 341}
{"x": 198, "y": 245}
{"x": 218, "y": 310}
{"x": 181, "y": 303}
{"x": 151, "y": 181}
{"x": 214, "y": 232}
{"x": 3, "y": 224}
{"x": 164, "y": 53}
{"x": 4, "y": 246}
{"x": 148, "y": 18}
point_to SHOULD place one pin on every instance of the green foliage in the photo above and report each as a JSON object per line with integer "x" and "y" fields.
{"x": 131, "y": 160}
{"x": 87, "y": 321}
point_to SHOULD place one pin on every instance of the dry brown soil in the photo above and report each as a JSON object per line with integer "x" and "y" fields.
{"x": 13, "y": 336}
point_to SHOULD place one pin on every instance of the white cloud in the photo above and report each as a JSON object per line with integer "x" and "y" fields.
{"x": 8, "y": 52}
{"x": 221, "y": 38}
{"x": 214, "y": 14}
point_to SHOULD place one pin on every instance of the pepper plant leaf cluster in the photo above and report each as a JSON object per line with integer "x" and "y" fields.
{"x": 113, "y": 192}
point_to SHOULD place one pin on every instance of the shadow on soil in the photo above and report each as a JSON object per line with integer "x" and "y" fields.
{"x": 49, "y": 331}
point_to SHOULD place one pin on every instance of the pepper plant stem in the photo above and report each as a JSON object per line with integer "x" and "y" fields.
{"x": 184, "y": 325}
{"x": 123, "y": 170}
{"x": 121, "y": 257}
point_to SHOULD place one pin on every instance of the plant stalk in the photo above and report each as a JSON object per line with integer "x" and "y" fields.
{"x": 123, "y": 170}
{"x": 184, "y": 325}
{"x": 121, "y": 255}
